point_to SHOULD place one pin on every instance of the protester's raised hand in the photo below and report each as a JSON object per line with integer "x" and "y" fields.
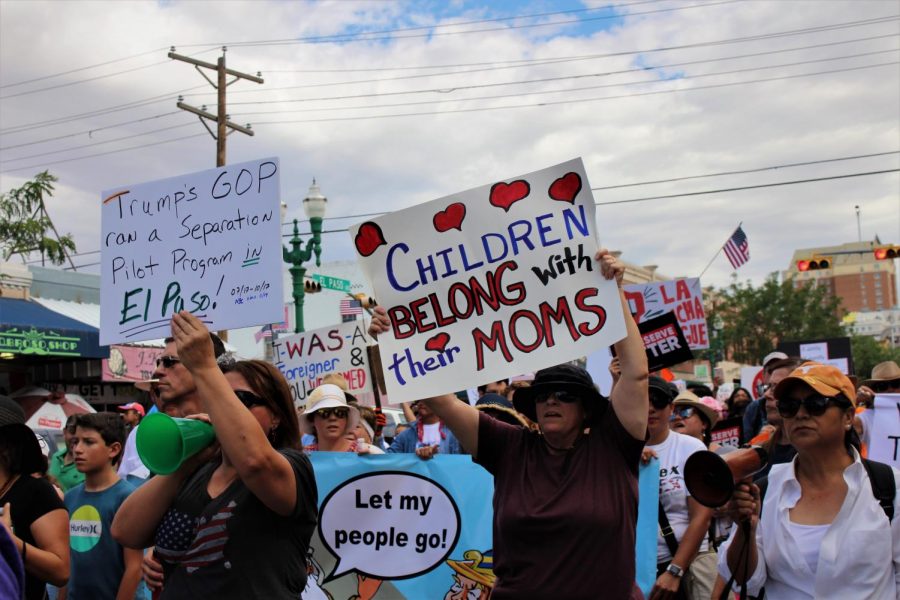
{"x": 195, "y": 349}
{"x": 865, "y": 396}
{"x": 380, "y": 322}
{"x": 615, "y": 369}
{"x": 744, "y": 503}
{"x": 610, "y": 266}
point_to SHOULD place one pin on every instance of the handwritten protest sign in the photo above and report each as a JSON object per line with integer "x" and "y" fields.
{"x": 883, "y": 422}
{"x": 207, "y": 242}
{"x": 490, "y": 282}
{"x": 306, "y": 358}
{"x": 664, "y": 342}
{"x": 684, "y": 297}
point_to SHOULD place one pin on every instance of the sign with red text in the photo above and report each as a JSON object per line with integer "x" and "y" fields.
{"x": 727, "y": 432}
{"x": 306, "y": 358}
{"x": 207, "y": 242}
{"x": 489, "y": 283}
{"x": 130, "y": 363}
{"x": 684, "y": 297}
{"x": 664, "y": 342}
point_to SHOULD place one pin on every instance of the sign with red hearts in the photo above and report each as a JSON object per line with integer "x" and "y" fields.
{"x": 489, "y": 283}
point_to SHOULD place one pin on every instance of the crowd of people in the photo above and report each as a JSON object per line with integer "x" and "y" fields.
{"x": 236, "y": 519}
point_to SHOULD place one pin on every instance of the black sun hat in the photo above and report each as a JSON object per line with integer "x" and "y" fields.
{"x": 561, "y": 378}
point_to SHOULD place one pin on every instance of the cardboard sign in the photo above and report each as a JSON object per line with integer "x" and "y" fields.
{"x": 684, "y": 297}
{"x": 727, "y": 432}
{"x": 664, "y": 342}
{"x": 306, "y": 358}
{"x": 489, "y": 283}
{"x": 207, "y": 242}
{"x": 130, "y": 363}
{"x": 884, "y": 438}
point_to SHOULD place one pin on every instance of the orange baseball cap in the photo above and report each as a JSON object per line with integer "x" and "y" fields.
{"x": 825, "y": 379}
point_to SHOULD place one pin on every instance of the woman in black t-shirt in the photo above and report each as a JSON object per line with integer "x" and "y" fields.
{"x": 235, "y": 524}
{"x": 33, "y": 514}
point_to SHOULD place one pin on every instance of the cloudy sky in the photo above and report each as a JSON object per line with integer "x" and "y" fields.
{"x": 389, "y": 104}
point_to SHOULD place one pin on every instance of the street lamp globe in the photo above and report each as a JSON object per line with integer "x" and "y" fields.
{"x": 314, "y": 203}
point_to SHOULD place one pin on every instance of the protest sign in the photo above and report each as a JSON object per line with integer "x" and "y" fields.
{"x": 752, "y": 379}
{"x": 489, "y": 283}
{"x": 395, "y": 526}
{"x": 664, "y": 342}
{"x": 884, "y": 434}
{"x": 835, "y": 352}
{"x": 727, "y": 432}
{"x": 684, "y": 297}
{"x": 306, "y": 358}
{"x": 207, "y": 242}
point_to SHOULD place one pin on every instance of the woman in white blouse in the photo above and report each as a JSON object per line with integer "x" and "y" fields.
{"x": 822, "y": 533}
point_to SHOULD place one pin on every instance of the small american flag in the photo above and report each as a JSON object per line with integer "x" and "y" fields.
{"x": 737, "y": 249}
{"x": 265, "y": 332}
{"x": 351, "y": 307}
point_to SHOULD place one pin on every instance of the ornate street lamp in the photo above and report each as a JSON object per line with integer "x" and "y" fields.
{"x": 314, "y": 207}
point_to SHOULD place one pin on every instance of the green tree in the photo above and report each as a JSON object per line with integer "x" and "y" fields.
{"x": 757, "y": 318}
{"x": 25, "y": 224}
{"x": 868, "y": 352}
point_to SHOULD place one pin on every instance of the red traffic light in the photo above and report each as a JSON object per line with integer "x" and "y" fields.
{"x": 803, "y": 265}
{"x": 887, "y": 252}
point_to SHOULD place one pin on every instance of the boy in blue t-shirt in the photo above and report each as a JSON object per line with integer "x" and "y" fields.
{"x": 100, "y": 568}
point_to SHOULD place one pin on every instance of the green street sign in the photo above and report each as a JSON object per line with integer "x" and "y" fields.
{"x": 332, "y": 283}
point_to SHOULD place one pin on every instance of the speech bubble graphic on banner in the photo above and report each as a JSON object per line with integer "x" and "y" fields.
{"x": 404, "y": 523}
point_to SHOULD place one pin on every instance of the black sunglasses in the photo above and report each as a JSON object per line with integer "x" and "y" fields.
{"x": 815, "y": 405}
{"x": 879, "y": 387}
{"x": 566, "y": 397}
{"x": 249, "y": 399}
{"x": 685, "y": 412}
{"x": 659, "y": 401}
{"x": 167, "y": 362}
{"x": 340, "y": 413}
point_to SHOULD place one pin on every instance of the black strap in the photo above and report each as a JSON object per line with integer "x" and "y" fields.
{"x": 884, "y": 487}
{"x": 667, "y": 532}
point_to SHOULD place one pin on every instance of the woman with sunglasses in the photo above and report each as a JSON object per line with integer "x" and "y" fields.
{"x": 695, "y": 417}
{"x": 234, "y": 524}
{"x": 565, "y": 498}
{"x": 330, "y": 420}
{"x": 821, "y": 533}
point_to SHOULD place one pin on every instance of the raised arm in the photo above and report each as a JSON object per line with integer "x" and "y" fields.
{"x": 265, "y": 471}
{"x": 629, "y": 397}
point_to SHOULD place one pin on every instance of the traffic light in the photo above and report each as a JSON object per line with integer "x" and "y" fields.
{"x": 311, "y": 287}
{"x": 887, "y": 252}
{"x": 815, "y": 263}
{"x": 365, "y": 300}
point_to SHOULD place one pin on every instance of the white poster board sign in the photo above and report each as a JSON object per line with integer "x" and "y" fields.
{"x": 751, "y": 379}
{"x": 306, "y": 358}
{"x": 884, "y": 437}
{"x": 207, "y": 242}
{"x": 488, "y": 283}
{"x": 684, "y": 297}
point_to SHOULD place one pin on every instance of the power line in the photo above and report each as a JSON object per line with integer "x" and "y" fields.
{"x": 163, "y": 97}
{"x": 94, "y": 66}
{"x": 746, "y": 187}
{"x": 71, "y": 83}
{"x": 92, "y": 131}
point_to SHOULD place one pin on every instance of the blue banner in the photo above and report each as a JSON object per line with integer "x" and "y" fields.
{"x": 395, "y": 526}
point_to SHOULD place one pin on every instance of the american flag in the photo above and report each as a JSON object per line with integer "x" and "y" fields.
{"x": 209, "y": 542}
{"x": 265, "y": 332}
{"x": 737, "y": 249}
{"x": 351, "y": 307}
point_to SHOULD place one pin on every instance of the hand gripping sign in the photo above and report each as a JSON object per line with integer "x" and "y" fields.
{"x": 490, "y": 282}
{"x": 389, "y": 525}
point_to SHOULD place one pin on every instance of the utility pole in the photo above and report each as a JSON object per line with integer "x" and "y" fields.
{"x": 221, "y": 116}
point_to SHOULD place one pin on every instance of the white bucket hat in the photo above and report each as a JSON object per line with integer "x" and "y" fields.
{"x": 327, "y": 395}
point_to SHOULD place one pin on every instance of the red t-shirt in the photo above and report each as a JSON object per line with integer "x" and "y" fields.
{"x": 563, "y": 524}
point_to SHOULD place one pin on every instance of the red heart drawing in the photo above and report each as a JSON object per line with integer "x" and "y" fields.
{"x": 450, "y": 218}
{"x": 504, "y": 195}
{"x": 566, "y": 188}
{"x": 438, "y": 342}
{"x": 368, "y": 238}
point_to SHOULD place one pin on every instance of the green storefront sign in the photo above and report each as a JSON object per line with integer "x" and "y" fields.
{"x": 38, "y": 342}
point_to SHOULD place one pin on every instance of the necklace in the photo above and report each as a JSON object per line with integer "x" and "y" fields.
{"x": 9, "y": 483}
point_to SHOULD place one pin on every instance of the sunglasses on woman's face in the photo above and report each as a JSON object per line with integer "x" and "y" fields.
{"x": 249, "y": 399}
{"x": 659, "y": 401}
{"x": 560, "y": 396}
{"x": 340, "y": 413}
{"x": 685, "y": 412}
{"x": 815, "y": 405}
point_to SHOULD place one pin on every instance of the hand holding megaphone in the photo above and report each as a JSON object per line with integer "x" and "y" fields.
{"x": 744, "y": 504}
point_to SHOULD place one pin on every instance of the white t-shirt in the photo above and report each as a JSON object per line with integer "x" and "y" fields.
{"x": 131, "y": 463}
{"x": 672, "y": 454}
{"x": 431, "y": 434}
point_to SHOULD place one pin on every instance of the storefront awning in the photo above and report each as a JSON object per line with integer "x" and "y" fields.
{"x": 27, "y": 328}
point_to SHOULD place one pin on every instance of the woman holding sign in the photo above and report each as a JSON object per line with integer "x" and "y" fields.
{"x": 235, "y": 524}
{"x": 565, "y": 499}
